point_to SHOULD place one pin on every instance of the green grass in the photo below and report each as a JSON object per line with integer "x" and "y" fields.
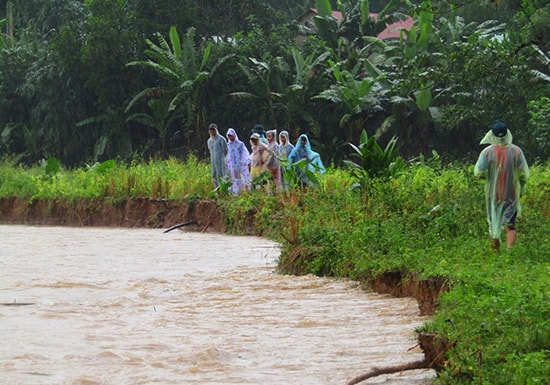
{"x": 169, "y": 179}
{"x": 429, "y": 220}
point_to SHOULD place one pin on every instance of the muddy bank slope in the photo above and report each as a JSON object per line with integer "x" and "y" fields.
{"x": 135, "y": 212}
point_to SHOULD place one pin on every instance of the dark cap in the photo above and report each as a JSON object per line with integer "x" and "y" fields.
{"x": 499, "y": 128}
{"x": 213, "y": 126}
{"x": 259, "y": 129}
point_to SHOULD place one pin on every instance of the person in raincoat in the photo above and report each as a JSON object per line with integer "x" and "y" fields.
{"x": 286, "y": 145}
{"x": 260, "y": 130}
{"x": 274, "y": 165}
{"x": 237, "y": 162}
{"x": 217, "y": 146}
{"x": 286, "y": 148}
{"x": 259, "y": 157}
{"x": 302, "y": 150}
{"x": 505, "y": 170}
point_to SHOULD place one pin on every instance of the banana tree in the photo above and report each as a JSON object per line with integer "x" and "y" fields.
{"x": 307, "y": 70}
{"x": 403, "y": 70}
{"x": 161, "y": 119}
{"x": 183, "y": 71}
{"x": 345, "y": 35}
{"x": 352, "y": 93}
{"x": 267, "y": 82}
{"x": 373, "y": 161}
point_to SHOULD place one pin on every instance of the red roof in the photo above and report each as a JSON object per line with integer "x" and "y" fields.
{"x": 392, "y": 31}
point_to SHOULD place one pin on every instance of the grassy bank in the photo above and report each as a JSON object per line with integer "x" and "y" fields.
{"x": 430, "y": 220}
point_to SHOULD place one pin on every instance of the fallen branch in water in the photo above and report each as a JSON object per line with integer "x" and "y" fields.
{"x": 178, "y": 226}
{"x": 374, "y": 372}
{"x": 206, "y": 226}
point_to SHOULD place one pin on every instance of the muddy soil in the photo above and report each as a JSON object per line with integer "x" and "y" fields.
{"x": 135, "y": 212}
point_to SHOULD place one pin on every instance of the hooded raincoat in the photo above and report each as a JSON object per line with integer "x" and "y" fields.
{"x": 505, "y": 170}
{"x": 287, "y": 147}
{"x": 259, "y": 156}
{"x": 217, "y": 146}
{"x": 237, "y": 162}
{"x": 300, "y": 152}
{"x": 274, "y": 165}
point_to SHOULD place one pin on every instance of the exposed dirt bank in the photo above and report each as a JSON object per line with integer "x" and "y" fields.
{"x": 136, "y": 212}
{"x": 399, "y": 284}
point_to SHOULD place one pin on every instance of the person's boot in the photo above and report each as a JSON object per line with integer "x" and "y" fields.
{"x": 495, "y": 244}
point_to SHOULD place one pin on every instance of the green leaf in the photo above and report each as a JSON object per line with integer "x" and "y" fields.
{"x": 323, "y": 8}
{"x": 175, "y": 41}
{"x": 52, "y": 166}
{"x": 424, "y": 99}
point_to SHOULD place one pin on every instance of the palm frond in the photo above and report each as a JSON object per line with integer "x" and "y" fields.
{"x": 540, "y": 75}
{"x": 243, "y": 95}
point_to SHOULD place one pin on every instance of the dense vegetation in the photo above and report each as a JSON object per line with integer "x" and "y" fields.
{"x": 428, "y": 220}
{"x": 91, "y": 80}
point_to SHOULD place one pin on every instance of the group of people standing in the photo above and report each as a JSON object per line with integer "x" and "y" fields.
{"x": 230, "y": 158}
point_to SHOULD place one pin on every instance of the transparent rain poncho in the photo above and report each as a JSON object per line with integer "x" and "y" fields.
{"x": 217, "y": 146}
{"x": 286, "y": 145}
{"x": 237, "y": 162}
{"x": 505, "y": 170}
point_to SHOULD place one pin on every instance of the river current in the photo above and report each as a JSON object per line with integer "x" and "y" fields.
{"x": 90, "y": 306}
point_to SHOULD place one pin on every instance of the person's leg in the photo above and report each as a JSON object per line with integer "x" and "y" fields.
{"x": 510, "y": 237}
{"x": 511, "y": 231}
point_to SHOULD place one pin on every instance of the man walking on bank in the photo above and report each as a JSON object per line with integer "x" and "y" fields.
{"x": 505, "y": 170}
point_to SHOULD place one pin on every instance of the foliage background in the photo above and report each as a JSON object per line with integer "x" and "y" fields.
{"x": 66, "y": 88}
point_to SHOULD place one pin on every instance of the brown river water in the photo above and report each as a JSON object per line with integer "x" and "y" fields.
{"x": 139, "y": 306}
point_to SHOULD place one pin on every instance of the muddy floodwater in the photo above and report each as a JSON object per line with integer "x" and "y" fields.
{"x": 139, "y": 306}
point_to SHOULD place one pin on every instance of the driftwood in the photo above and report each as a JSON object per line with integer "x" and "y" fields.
{"x": 374, "y": 372}
{"x": 15, "y": 303}
{"x": 179, "y": 225}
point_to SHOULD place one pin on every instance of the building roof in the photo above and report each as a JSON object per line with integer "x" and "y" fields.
{"x": 392, "y": 30}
